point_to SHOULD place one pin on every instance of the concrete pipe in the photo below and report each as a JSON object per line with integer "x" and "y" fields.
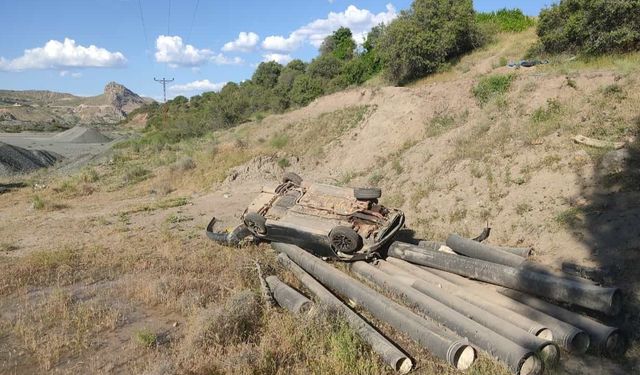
{"x": 567, "y": 336}
{"x": 287, "y": 297}
{"x": 523, "y": 252}
{"x": 390, "y": 354}
{"x": 519, "y": 359}
{"x": 531, "y": 326}
{"x": 546, "y": 349}
{"x": 482, "y": 251}
{"x": 604, "y": 339}
{"x": 438, "y": 341}
{"x": 606, "y": 300}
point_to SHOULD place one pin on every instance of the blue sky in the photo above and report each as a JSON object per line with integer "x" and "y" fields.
{"x": 78, "y": 46}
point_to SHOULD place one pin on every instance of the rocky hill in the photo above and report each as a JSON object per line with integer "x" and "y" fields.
{"x": 47, "y": 110}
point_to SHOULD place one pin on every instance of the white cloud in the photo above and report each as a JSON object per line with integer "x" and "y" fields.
{"x": 66, "y": 73}
{"x": 197, "y": 86}
{"x": 277, "y": 57}
{"x": 246, "y": 42}
{"x": 281, "y": 44}
{"x": 171, "y": 50}
{"x": 360, "y": 21}
{"x": 221, "y": 59}
{"x": 65, "y": 54}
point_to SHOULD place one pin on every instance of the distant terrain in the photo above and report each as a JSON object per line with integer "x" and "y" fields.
{"x": 48, "y": 111}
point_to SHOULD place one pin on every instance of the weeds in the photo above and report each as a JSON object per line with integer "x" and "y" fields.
{"x": 523, "y": 208}
{"x": 439, "y": 124}
{"x": 284, "y": 163}
{"x": 491, "y": 87}
{"x": 569, "y": 218}
{"x": 135, "y": 174}
{"x": 146, "y": 338}
{"x": 279, "y": 141}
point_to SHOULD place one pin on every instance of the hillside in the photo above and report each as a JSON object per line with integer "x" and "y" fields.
{"x": 46, "y": 110}
{"x": 133, "y": 285}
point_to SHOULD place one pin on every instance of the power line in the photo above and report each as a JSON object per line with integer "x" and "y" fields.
{"x": 144, "y": 28}
{"x": 163, "y": 82}
{"x": 193, "y": 21}
{"x": 169, "y": 20}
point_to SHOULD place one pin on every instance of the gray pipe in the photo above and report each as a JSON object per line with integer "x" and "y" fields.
{"x": 391, "y": 355}
{"x": 566, "y": 335}
{"x": 548, "y": 351}
{"x": 482, "y": 251}
{"x": 607, "y": 300}
{"x": 518, "y": 320}
{"x": 519, "y": 359}
{"x": 288, "y": 297}
{"x": 523, "y": 252}
{"x": 604, "y": 339}
{"x": 441, "y": 343}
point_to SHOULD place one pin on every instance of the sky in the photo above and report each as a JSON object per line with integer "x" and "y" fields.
{"x": 77, "y": 46}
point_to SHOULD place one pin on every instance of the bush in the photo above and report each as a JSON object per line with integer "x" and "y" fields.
{"x": 422, "y": 39}
{"x": 491, "y": 86}
{"x": 506, "y": 20}
{"x": 305, "y": 89}
{"x": 591, "y": 27}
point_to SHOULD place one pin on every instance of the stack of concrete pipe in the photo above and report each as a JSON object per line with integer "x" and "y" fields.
{"x": 458, "y": 297}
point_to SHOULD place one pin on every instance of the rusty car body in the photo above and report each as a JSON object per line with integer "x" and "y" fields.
{"x": 329, "y": 221}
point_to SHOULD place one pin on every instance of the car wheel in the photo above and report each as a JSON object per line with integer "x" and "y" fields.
{"x": 367, "y": 193}
{"x": 293, "y": 178}
{"x": 256, "y": 223}
{"x": 344, "y": 239}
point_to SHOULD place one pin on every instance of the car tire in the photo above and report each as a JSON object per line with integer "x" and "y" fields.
{"x": 345, "y": 240}
{"x": 256, "y": 223}
{"x": 367, "y": 193}
{"x": 294, "y": 178}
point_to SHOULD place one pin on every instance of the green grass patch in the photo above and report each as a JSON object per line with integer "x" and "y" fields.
{"x": 439, "y": 124}
{"x": 492, "y": 86}
{"x": 279, "y": 141}
{"x": 506, "y": 20}
{"x": 146, "y": 338}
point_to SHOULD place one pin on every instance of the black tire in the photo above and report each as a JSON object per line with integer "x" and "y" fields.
{"x": 367, "y": 193}
{"x": 256, "y": 223}
{"x": 294, "y": 178}
{"x": 345, "y": 240}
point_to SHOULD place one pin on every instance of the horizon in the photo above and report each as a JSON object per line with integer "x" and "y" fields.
{"x": 193, "y": 42}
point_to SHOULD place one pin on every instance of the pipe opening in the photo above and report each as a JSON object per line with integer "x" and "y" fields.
{"x": 464, "y": 357}
{"x": 545, "y": 334}
{"x": 404, "y": 365}
{"x": 550, "y": 354}
{"x": 530, "y": 366}
{"x": 580, "y": 342}
{"x": 615, "y": 344}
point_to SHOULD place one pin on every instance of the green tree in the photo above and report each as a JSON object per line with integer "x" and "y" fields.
{"x": 590, "y": 26}
{"x": 340, "y": 44}
{"x": 266, "y": 74}
{"x": 423, "y": 38}
{"x": 305, "y": 89}
{"x": 325, "y": 67}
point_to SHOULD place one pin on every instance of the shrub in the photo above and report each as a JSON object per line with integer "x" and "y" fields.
{"x": 492, "y": 86}
{"x": 305, "y": 89}
{"x": 590, "y": 26}
{"x": 506, "y": 20}
{"x": 422, "y": 39}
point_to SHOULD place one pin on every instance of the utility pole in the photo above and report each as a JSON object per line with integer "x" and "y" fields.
{"x": 164, "y": 82}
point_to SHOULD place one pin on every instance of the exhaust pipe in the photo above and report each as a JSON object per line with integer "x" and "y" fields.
{"x": 391, "y": 355}
{"x": 566, "y": 335}
{"x": 606, "y": 300}
{"x": 288, "y": 297}
{"x": 604, "y": 339}
{"x": 548, "y": 351}
{"x": 441, "y": 343}
{"x": 519, "y": 359}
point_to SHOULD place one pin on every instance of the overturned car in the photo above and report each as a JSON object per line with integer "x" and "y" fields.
{"x": 329, "y": 221}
